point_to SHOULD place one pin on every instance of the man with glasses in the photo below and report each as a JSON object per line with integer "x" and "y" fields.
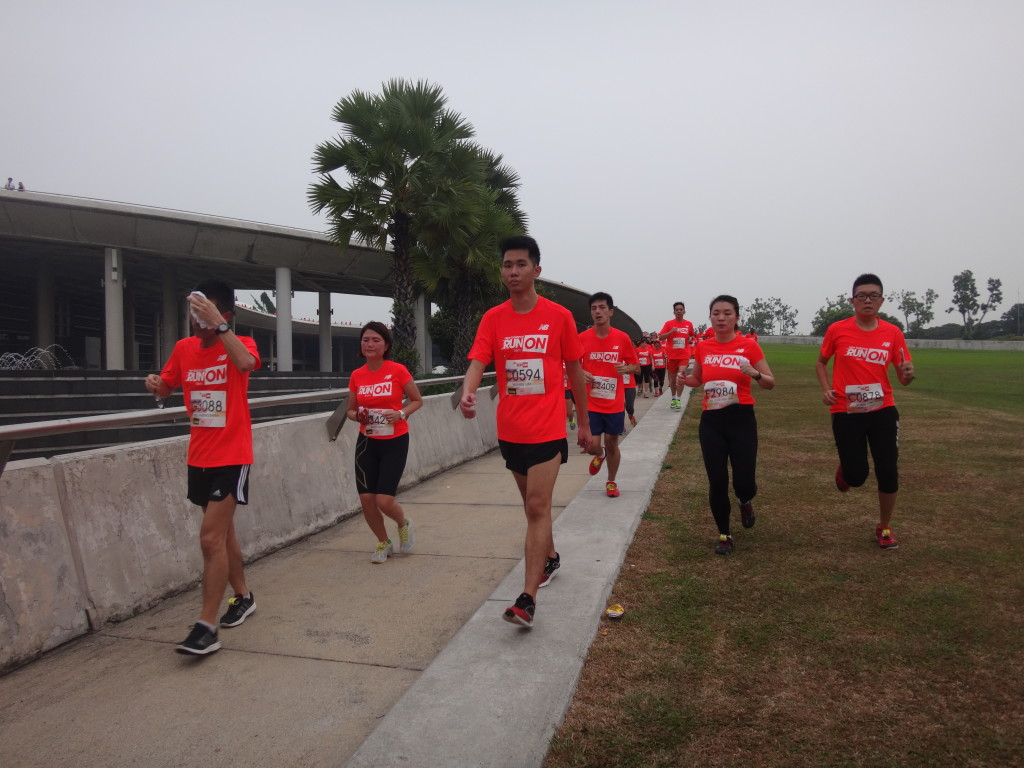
{"x": 860, "y": 399}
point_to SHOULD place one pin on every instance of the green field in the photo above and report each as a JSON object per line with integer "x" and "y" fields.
{"x": 810, "y": 646}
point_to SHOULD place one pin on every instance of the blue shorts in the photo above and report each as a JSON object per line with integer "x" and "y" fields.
{"x": 610, "y": 423}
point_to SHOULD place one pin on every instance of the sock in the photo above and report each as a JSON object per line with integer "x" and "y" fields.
{"x": 207, "y": 626}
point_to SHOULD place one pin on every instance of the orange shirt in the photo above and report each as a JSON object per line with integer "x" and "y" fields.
{"x": 678, "y": 344}
{"x": 724, "y": 383}
{"x": 600, "y": 356}
{"x": 658, "y": 357}
{"x": 379, "y": 391}
{"x": 528, "y": 351}
{"x": 217, "y": 399}
{"x": 643, "y": 354}
{"x": 860, "y": 371}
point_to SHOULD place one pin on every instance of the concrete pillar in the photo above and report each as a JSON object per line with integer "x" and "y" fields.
{"x": 172, "y": 302}
{"x": 325, "y": 332}
{"x": 46, "y": 306}
{"x": 113, "y": 296}
{"x": 284, "y": 318}
{"x": 424, "y": 344}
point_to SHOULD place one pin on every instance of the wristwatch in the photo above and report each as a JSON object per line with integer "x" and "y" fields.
{"x": 223, "y": 328}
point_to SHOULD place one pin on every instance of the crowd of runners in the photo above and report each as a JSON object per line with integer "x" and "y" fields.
{"x": 533, "y": 344}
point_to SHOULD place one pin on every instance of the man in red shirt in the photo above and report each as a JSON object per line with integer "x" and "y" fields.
{"x": 860, "y": 399}
{"x": 677, "y": 334}
{"x": 608, "y": 354}
{"x": 528, "y": 338}
{"x": 212, "y": 367}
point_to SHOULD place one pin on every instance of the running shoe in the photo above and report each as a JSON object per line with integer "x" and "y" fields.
{"x": 841, "y": 483}
{"x": 674, "y": 405}
{"x": 646, "y": 395}
{"x": 632, "y": 420}
{"x": 405, "y": 540}
{"x": 724, "y": 546}
{"x": 885, "y": 538}
{"x": 551, "y": 570}
{"x": 239, "y": 608}
{"x": 595, "y": 464}
{"x": 384, "y": 550}
{"x": 572, "y": 422}
{"x": 200, "y": 641}
{"x": 611, "y": 489}
{"x": 522, "y": 612}
{"x": 747, "y": 514}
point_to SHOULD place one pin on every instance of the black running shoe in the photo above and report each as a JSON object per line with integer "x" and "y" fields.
{"x": 747, "y": 514}
{"x": 550, "y": 570}
{"x": 522, "y": 612}
{"x": 200, "y": 641}
{"x": 724, "y": 546}
{"x": 238, "y": 609}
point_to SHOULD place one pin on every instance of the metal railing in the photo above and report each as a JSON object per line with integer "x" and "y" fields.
{"x": 11, "y": 433}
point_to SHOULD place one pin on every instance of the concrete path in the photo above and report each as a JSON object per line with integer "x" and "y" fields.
{"x": 350, "y": 663}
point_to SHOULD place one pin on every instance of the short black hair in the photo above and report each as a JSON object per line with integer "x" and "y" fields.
{"x": 867, "y": 279}
{"x": 678, "y": 304}
{"x": 521, "y": 243}
{"x": 601, "y": 296}
{"x": 220, "y": 293}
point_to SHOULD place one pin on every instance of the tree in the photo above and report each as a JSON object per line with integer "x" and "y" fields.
{"x": 457, "y": 260}
{"x": 1012, "y": 320}
{"x": 965, "y": 300}
{"x": 838, "y": 309}
{"x": 264, "y": 303}
{"x": 409, "y": 166}
{"x": 917, "y": 313}
{"x": 763, "y": 316}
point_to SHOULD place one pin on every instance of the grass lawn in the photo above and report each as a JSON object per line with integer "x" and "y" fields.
{"x": 810, "y": 646}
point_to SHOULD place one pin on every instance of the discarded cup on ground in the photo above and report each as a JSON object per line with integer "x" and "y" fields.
{"x": 614, "y": 611}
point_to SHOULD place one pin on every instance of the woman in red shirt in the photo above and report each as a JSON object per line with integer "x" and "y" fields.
{"x": 724, "y": 366}
{"x": 375, "y": 396}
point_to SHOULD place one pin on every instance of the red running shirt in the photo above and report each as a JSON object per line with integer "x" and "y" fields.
{"x": 381, "y": 390}
{"x": 217, "y": 398}
{"x": 607, "y": 394}
{"x": 658, "y": 357}
{"x": 528, "y": 351}
{"x": 678, "y": 344}
{"x": 643, "y": 354}
{"x": 724, "y": 383}
{"x": 860, "y": 371}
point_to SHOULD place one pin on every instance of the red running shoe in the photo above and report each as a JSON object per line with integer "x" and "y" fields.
{"x": 522, "y": 612}
{"x": 611, "y": 489}
{"x": 841, "y": 483}
{"x": 595, "y": 464}
{"x": 885, "y": 538}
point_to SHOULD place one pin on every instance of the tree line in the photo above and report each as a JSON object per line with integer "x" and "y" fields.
{"x": 772, "y": 317}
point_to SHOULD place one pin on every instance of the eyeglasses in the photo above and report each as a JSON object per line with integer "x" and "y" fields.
{"x": 865, "y": 296}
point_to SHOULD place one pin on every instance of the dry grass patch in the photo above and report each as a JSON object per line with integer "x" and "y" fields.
{"x": 810, "y": 646}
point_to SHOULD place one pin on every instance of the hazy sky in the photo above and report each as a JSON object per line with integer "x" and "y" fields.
{"x": 668, "y": 150}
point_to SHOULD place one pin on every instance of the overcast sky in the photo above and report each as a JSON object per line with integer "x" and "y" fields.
{"x": 668, "y": 150}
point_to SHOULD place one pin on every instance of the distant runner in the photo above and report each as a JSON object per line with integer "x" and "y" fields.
{"x": 677, "y": 334}
{"x": 860, "y": 398}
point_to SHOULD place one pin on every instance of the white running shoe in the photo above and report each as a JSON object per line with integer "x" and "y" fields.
{"x": 384, "y": 549}
{"x": 405, "y": 539}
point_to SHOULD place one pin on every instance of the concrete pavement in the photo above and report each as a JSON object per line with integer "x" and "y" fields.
{"x": 349, "y": 663}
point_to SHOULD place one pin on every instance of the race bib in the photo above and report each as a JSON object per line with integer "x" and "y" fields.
{"x": 377, "y": 424}
{"x": 678, "y": 342}
{"x": 524, "y": 377}
{"x": 720, "y": 393}
{"x": 209, "y": 408}
{"x": 604, "y": 387}
{"x": 862, "y": 398}
{"x": 625, "y": 378}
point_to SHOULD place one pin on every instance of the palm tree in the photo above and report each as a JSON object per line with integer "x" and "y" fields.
{"x": 408, "y": 165}
{"x": 457, "y": 260}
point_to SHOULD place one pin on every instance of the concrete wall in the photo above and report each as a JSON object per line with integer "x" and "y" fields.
{"x": 1012, "y": 346}
{"x": 99, "y": 536}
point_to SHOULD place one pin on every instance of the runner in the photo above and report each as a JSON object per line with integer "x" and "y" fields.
{"x": 860, "y": 398}
{"x": 659, "y": 361}
{"x": 724, "y": 366}
{"x": 629, "y": 389}
{"x": 212, "y": 367}
{"x": 608, "y": 356}
{"x": 677, "y": 334}
{"x": 643, "y": 356}
{"x": 375, "y": 396}
{"x": 528, "y": 338}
